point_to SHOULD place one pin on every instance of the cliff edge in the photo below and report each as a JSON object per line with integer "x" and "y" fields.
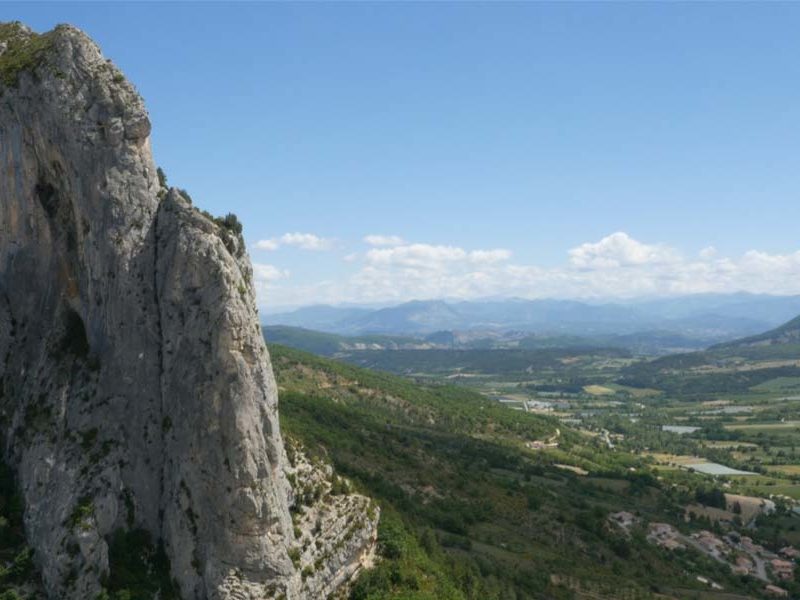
{"x": 136, "y": 391}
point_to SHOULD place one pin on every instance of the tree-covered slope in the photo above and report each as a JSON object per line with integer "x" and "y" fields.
{"x": 468, "y": 511}
{"x": 732, "y": 367}
{"x": 327, "y": 344}
{"x": 786, "y": 334}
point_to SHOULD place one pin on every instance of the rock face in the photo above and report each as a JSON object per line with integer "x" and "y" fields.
{"x": 136, "y": 391}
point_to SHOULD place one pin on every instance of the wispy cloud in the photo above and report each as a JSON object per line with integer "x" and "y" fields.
{"x": 266, "y": 273}
{"x": 304, "y": 241}
{"x": 433, "y": 257}
{"x": 383, "y": 240}
{"x": 265, "y": 279}
{"x": 271, "y": 244}
{"x": 488, "y": 257}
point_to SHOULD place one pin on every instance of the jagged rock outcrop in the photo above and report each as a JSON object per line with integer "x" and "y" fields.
{"x": 135, "y": 387}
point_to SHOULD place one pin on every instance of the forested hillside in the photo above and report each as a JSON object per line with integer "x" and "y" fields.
{"x": 469, "y": 511}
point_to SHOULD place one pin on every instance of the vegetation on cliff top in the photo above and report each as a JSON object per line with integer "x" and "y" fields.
{"x": 24, "y": 50}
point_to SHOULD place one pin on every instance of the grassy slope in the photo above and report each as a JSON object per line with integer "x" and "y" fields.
{"x": 468, "y": 511}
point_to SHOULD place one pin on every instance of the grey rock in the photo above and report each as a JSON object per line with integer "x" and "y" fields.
{"x": 135, "y": 387}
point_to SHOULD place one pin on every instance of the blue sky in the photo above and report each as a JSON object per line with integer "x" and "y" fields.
{"x": 570, "y": 149}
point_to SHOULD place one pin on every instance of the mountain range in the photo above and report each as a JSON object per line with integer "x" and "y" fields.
{"x": 679, "y": 323}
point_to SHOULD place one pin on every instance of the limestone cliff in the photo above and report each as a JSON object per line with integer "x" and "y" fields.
{"x": 135, "y": 387}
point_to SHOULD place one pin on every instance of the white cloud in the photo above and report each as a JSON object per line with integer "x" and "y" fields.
{"x": 304, "y": 241}
{"x": 708, "y": 253}
{"x": 430, "y": 256}
{"x": 266, "y": 282}
{"x": 265, "y": 273}
{"x": 424, "y": 256}
{"x": 489, "y": 256}
{"x": 383, "y": 240}
{"x": 267, "y": 244}
{"x": 615, "y": 266}
{"x": 619, "y": 250}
